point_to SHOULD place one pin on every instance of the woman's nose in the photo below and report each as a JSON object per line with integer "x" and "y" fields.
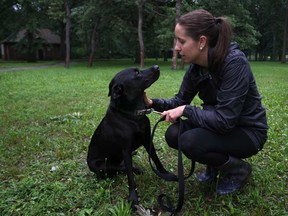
{"x": 177, "y": 46}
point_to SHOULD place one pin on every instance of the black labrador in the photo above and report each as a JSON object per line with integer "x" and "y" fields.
{"x": 124, "y": 128}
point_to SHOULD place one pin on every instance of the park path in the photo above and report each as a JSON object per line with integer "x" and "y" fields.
{"x": 31, "y": 67}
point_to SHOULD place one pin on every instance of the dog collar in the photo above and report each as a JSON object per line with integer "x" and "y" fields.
{"x": 135, "y": 113}
{"x": 146, "y": 111}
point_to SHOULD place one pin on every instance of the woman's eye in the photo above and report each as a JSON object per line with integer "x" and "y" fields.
{"x": 181, "y": 41}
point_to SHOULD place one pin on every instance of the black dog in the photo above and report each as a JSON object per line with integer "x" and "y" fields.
{"x": 124, "y": 128}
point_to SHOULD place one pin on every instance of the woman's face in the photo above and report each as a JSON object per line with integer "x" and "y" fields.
{"x": 191, "y": 51}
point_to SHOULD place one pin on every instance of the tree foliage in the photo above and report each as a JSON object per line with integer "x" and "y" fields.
{"x": 109, "y": 28}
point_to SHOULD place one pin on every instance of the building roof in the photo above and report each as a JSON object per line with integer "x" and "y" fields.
{"x": 45, "y": 34}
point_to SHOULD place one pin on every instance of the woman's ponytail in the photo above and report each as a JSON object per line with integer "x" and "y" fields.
{"x": 221, "y": 42}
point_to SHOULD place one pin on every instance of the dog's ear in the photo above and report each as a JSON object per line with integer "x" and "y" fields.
{"x": 116, "y": 91}
{"x": 110, "y": 87}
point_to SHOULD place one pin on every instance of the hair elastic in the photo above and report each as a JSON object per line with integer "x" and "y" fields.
{"x": 217, "y": 20}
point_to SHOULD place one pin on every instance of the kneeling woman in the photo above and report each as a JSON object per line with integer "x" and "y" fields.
{"x": 231, "y": 125}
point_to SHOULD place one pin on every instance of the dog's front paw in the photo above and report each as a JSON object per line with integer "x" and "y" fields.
{"x": 133, "y": 199}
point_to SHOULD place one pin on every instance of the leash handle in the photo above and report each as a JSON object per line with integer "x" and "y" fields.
{"x": 167, "y": 176}
{"x": 181, "y": 185}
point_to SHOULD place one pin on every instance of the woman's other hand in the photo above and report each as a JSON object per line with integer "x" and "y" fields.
{"x": 173, "y": 114}
{"x": 147, "y": 100}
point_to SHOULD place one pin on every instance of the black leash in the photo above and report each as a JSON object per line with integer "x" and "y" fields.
{"x": 162, "y": 198}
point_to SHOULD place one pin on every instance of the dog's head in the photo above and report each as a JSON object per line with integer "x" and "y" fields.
{"x": 129, "y": 84}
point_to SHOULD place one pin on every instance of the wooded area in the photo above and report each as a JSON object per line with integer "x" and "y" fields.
{"x": 139, "y": 29}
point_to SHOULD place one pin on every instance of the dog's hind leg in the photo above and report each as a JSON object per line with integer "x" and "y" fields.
{"x": 98, "y": 166}
{"x": 121, "y": 169}
{"x": 114, "y": 166}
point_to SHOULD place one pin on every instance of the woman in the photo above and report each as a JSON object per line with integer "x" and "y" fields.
{"x": 231, "y": 125}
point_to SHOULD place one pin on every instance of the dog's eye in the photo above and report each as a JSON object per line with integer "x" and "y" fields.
{"x": 137, "y": 72}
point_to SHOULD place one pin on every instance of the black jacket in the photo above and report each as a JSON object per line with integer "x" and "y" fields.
{"x": 230, "y": 99}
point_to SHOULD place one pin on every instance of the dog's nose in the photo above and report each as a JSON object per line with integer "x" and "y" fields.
{"x": 156, "y": 67}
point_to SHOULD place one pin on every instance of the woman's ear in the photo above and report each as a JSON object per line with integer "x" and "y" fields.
{"x": 202, "y": 42}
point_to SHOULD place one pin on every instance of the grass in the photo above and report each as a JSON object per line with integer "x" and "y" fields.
{"x": 47, "y": 119}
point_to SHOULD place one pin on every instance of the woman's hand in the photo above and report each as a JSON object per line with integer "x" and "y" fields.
{"x": 147, "y": 100}
{"x": 173, "y": 114}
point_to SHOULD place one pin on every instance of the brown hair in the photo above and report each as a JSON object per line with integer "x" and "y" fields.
{"x": 217, "y": 30}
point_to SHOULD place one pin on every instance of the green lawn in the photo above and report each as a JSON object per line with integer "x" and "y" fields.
{"x": 47, "y": 117}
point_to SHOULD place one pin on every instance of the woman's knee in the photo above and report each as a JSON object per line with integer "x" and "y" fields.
{"x": 171, "y": 136}
{"x": 192, "y": 143}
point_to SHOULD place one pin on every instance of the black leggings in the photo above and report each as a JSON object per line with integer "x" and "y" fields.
{"x": 207, "y": 147}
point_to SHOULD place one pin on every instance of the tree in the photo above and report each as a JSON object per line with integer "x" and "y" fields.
{"x": 93, "y": 13}
{"x": 56, "y": 14}
{"x": 240, "y": 17}
{"x": 283, "y": 56}
{"x": 106, "y": 28}
{"x": 118, "y": 28}
{"x": 67, "y": 31}
{"x": 9, "y": 17}
{"x": 269, "y": 20}
{"x": 29, "y": 15}
{"x": 93, "y": 42}
{"x": 140, "y": 4}
{"x": 175, "y": 52}
{"x": 164, "y": 32}
{"x": 31, "y": 18}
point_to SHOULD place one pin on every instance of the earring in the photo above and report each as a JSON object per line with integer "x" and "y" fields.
{"x": 201, "y": 48}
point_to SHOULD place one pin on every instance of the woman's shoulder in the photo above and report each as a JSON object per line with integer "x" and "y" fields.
{"x": 235, "y": 54}
{"x": 236, "y": 64}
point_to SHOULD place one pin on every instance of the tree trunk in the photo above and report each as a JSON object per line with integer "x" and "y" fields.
{"x": 140, "y": 4}
{"x": 175, "y": 53}
{"x": 68, "y": 27}
{"x": 283, "y": 58}
{"x": 92, "y": 48}
{"x": 273, "y": 56}
{"x": 164, "y": 54}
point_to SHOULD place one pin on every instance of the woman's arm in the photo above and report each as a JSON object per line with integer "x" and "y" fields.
{"x": 184, "y": 96}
